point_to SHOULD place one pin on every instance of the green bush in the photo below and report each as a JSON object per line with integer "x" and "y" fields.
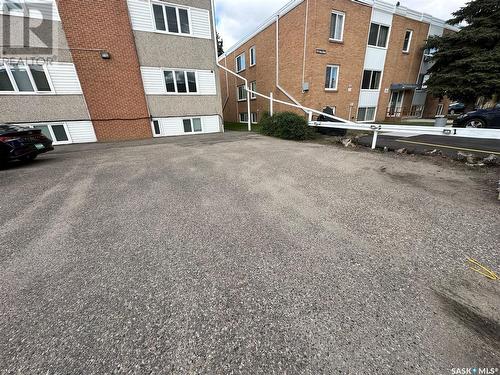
{"x": 286, "y": 125}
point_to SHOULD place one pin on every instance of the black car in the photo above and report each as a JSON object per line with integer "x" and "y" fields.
{"x": 480, "y": 118}
{"x": 456, "y": 108}
{"x": 19, "y": 143}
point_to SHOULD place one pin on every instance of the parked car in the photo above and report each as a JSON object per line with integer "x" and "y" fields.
{"x": 456, "y": 108}
{"x": 19, "y": 143}
{"x": 480, "y": 118}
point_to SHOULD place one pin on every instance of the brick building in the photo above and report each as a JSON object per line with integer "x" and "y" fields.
{"x": 363, "y": 58}
{"x": 109, "y": 70}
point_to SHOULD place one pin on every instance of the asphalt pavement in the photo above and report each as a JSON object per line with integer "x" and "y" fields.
{"x": 449, "y": 146}
{"x": 239, "y": 253}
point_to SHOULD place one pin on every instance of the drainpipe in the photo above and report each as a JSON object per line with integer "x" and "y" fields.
{"x": 305, "y": 45}
{"x": 247, "y": 88}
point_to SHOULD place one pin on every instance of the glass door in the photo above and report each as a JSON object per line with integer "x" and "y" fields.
{"x": 396, "y": 104}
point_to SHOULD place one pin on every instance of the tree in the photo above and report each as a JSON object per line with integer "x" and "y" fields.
{"x": 220, "y": 45}
{"x": 467, "y": 63}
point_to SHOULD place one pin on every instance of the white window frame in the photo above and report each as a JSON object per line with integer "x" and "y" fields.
{"x": 253, "y": 56}
{"x": 440, "y": 109}
{"x": 244, "y": 121}
{"x": 253, "y": 116}
{"x": 197, "y": 92}
{"x": 336, "y": 78}
{"x": 243, "y": 59}
{"x": 22, "y": 12}
{"x": 52, "y": 135}
{"x": 365, "y": 120}
{"x": 177, "y": 7}
{"x": 338, "y": 13}
{"x": 253, "y": 87}
{"x": 407, "y": 50}
{"x": 244, "y": 91}
{"x": 32, "y": 81}
{"x": 191, "y": 122}
{"x": 378, "y": 35}
{"x": 371, "y": 78}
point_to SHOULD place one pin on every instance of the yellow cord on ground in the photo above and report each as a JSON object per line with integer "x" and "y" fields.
{"x": 479, "y": 268}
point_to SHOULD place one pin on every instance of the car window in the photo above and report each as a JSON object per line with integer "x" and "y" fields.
{"x": 10, "y": 128}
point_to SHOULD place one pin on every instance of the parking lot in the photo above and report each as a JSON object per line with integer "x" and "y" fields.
{"x": 238, "y": 253}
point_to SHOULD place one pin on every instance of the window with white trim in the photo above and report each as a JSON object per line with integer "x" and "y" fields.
{"x": 180, "y": 82}
{"x": 337, "y": 26}
{"x": 371, "y": 80}
{"x": 19, "y": 78}
{"x": 407, "y": 41}
{"x": 240, "y": 63}
{"x": 242, "y": 93}
{"x": 440, "y": 109}
{"x": 192, "y": 125}
{"x": 253, "y": 117}
{"x": 366, "y": 113}
{"x": 253, "y": 87}
{"x": 244, "y": 117}
{"x": 332, "y": 77}
{"x": 253, "y": 56}
{"x": 171, "y": 19}
{"x": 379, "y": 35}
{"x": 156, "y": 127}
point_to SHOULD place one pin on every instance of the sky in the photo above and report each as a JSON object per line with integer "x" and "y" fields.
{"x": 236, "y": 18}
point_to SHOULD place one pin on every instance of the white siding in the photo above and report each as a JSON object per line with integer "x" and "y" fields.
{"x": 153, "y": 81}
{"x": 375, "y": 58}
{"x": 173, "y": 126}
{"x": 206, "y": 83}
{"x": 81, "y": 132}
{"x": 64, "y": 78}
{"x": 200, "y": 23}
{"x": 38, "y": 9}
{"x": 436, "y": 30}
{"x": 381, "y": 17}
{"x": 140, "y": 15}
{"x": 368, "y": 98}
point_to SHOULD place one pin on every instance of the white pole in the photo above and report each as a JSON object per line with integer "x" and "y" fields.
{"x": 248, "y": 109}
{"x": 271, "y": 104}
{"x": 310, "y": 117}
{"x": 374, "y": 142}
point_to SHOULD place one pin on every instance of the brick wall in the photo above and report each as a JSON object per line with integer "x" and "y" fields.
{"x": 113, "y": 88}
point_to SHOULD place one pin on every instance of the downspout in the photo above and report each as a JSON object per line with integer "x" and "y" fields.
{"x": 247, "y": 88}
{"x": 278, "y": 65}
{"x": 305, "y": 46}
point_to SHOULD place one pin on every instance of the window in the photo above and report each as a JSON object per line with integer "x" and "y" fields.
{"x": 13, "y": 6}
{"x": 253, "y": 56}
{"x": 337, "y": 26}
{"x": 253, "y": 87}
{"x": 242, "y": 93}
{"x": 58, "y": 133}
{"x": 171, "y": 19}
{"x": 407, "y": 42}
{"x": 378, "y": 35}
{"x": 366, "y": 114}
{"x": 332, "y": 75}
{"x": 180, "y": 82}
{"x": 244, "y": 117}
{"x": 18, "y": 78}
{"x": 240, "y": 63}
{"x": 253, "y": 116}
{"x": 192, "y": 125}
{"x": 440, "y": 109}
{"x": 371, "y": 80}
{"x": 422, "y": 80}
{"x": 156, "y": 126}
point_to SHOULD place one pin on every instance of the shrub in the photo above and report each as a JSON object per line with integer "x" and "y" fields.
{"x": 286, "y": 125}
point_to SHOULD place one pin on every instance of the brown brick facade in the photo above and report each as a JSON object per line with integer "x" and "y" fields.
{"x": 349, "y": 55}
{"x": 113, "y": 88}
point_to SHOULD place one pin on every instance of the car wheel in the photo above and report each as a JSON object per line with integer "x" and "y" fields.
{"x": 475, "y": 123}
{"x": 29, "y": 157}
{"x": 452, "y": 112}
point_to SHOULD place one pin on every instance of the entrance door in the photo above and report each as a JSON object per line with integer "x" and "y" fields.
{"x": 395, "y": 107}
{"x": 58, "y": 133}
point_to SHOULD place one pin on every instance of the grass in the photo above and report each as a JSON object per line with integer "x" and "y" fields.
{"x": 240, "y": 127}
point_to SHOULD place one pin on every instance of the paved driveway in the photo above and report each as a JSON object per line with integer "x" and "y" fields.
{"x": 238, "y": 253}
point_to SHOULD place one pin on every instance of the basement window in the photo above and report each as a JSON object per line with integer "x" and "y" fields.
{"x": 244, "y": 117}
{"x": 366, "y": 114}
{"x": 337, "y": 26}
{"x": 371, "y": 80}
{"x": 379, "y": 34}
{"x": 192, "y": 125}
{"x": 254, "y": 117}
{"x": 156, "y": 127}
{"x": 171, "y": 19}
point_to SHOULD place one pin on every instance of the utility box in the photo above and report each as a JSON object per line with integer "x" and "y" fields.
{"x": 440, "y": 121}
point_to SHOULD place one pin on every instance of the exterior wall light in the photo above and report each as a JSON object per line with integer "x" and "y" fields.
{"x": 105, "y": 55}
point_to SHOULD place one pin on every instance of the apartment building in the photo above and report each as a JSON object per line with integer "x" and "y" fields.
{"x": 363, "y": 58}
{"x": 109, "y": 70}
